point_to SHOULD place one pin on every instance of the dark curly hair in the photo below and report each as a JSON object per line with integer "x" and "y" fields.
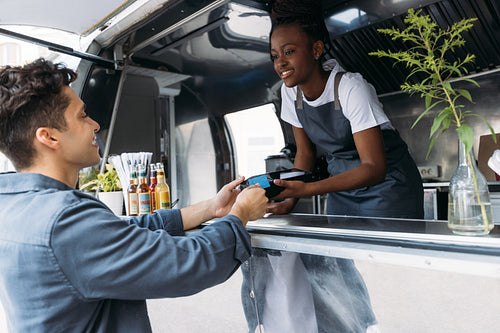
{"x": 308, "y": 14}
{"x": 30, "y": 97}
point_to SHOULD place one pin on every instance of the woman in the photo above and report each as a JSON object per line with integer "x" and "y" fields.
{"x": 371, "y": 171}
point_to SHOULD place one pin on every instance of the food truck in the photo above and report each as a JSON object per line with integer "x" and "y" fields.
{"x": 192, "y": 83}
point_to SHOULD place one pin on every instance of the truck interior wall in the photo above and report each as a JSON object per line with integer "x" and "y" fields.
{"x": 138, "y": 119}
{"x": 196, "y": 163}
{"x": 194, "y": 148}
{"x": 403, "y": 110}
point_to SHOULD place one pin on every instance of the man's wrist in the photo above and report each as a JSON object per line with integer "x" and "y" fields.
{"x": 239, "y": 214}
{"x": 211, "y": 208}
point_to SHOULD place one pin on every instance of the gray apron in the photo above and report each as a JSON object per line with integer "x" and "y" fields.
{"x": 341, "y": 301}
{"x": 400, "y": 195}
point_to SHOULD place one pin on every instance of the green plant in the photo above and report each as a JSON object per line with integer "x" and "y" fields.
{"x": 106, "y": 182}
{"x": 426, "y": 54}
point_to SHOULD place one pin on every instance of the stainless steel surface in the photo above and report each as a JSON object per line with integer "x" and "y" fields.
{"x": 430, "y": 204}
{"x": 196, "y": 163}
{"x": 395, "y": 232}
{"x": 495, "y": 206}
{"x": 418, "y": 244}
{"x": 403, "y": 110}
{"x": 174, "y": 27}
{"x": 365, "y": 13}
{"x": 172, "y": 150}
{"x": 380, "y": 254}
{"x": 407, "y": 243}
{"x": 163, "y": 78}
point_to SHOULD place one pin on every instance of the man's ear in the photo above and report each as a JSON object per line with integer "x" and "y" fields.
{"x": 318, "y": 48}
{"x": 44, "y": 136}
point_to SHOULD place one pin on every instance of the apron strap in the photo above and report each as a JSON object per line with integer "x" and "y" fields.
{"x": 300, "y": 102}
{"x": 338, "y": 77}
{"x": 336, "y": 84}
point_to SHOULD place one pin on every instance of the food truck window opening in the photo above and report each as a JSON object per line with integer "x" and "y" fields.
{"x": 256, "y": 134}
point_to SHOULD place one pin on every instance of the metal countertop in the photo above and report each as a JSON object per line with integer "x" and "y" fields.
{"x": 404, "y": 233}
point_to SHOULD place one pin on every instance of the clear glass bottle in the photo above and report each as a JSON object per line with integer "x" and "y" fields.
{"x": 162, "y": 191}
{"x": 143, "y": 192}
{"x": 133, "y": 207}
{"x": 469, "y": 205}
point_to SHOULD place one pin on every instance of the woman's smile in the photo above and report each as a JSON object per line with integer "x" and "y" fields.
{"x": 286, "y": 73}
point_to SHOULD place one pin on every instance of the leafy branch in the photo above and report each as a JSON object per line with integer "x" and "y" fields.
{"x": 429, "y": 45}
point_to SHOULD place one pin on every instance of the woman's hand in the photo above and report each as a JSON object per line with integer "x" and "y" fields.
{"x": 282, "y": 207}
{"x": 293, "y": 189}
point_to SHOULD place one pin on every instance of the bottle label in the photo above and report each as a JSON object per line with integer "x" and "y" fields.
{"x": 164, "y": 200}
{"x": 144, "y": 203}
{"x": 132, "y": 198}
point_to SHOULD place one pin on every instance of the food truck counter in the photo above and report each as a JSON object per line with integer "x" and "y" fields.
{"x": 415, "y": 243}
{"x": 419, "y": 276}
{"x": 412, "y": 269}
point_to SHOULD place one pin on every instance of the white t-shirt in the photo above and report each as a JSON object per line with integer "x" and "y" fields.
{"x": 358, "y": 98}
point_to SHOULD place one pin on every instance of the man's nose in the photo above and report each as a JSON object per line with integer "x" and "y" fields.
{"x": 95, "y": 124}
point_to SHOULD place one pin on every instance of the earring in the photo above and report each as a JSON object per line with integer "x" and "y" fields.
{"x": 316, "y": 58}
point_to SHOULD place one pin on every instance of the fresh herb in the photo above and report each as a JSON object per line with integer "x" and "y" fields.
{"x": 428, "y": 46}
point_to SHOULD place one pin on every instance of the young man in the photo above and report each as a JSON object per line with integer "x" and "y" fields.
{"x": 67, "y": 263}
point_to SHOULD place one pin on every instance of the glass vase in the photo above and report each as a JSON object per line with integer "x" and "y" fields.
{"x": 469, "y": 205}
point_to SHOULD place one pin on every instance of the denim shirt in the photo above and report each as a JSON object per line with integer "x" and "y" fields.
{"x": 68, "y": 264}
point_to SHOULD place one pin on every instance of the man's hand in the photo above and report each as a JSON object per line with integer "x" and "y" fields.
{"x": 225, "y": 198}
{"x": 250, "y": 204}
{"x": 246, "y": 205}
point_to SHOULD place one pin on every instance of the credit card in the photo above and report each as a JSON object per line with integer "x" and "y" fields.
{"x": 262, "y": 180}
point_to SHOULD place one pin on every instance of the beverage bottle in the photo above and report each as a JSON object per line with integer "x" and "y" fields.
{"x": 143, "y": 192}
{"x": 162, "y": 192}
{"x": 133, "y": 208}
{"x": 152, "y": 185}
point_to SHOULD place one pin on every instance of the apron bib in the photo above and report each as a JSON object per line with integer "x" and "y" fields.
{"x": 400, "y": 195}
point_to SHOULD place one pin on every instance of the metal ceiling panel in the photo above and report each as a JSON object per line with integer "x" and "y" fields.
{"x": 79, "y": 17}
{"x": 483, "y": 40}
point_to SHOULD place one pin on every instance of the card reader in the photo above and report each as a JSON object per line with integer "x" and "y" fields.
{"x": 266, "y": 180}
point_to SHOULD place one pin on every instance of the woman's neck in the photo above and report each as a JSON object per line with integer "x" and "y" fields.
{"x": 315, "y": 86}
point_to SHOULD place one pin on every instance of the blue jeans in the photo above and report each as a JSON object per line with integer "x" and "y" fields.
{"x": 341, "y": 300}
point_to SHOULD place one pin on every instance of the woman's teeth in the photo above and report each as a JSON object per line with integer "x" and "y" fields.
{"x": 286, "y": 73}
